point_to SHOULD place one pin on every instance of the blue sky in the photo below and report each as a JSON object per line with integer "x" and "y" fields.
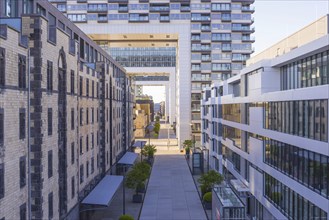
{"x": 276, "y": 19}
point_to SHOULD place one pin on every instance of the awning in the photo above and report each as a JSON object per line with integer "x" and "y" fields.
{"x": 103, "y": 193}
{"x": 239, "y": 186}
{"x": 128, "y": 158}
{"x": 139, "y": 144}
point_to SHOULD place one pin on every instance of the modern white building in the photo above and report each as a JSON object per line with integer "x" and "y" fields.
{"x": 191, "y": 42}
{"x": 266, "y": 129}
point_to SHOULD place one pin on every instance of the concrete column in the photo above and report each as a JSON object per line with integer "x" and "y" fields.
{"x": 168, "y": 103}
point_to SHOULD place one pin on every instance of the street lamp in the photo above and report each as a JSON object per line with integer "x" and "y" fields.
{"x": 150, "y": 128}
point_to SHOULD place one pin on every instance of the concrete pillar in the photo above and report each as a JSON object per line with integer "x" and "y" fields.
{"x": 168, "y": 103}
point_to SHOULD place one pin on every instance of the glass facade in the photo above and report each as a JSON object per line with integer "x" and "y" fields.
{"x": 306, "y": 167}
{"x": 233, "y": 134}
{"x": 290, "y": 203}
{"x": 233, "y": 157}
{"x": 308, "y": 72}
{"x": 307, "y": 118}
{"x": 232, "y": 112}
{"x": 144, "y": 56}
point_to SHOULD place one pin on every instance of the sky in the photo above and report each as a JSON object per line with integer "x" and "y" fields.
{"x": 274, "y": 20}
{"x": 277, "y": 19}
{"x": 158, "y": 92}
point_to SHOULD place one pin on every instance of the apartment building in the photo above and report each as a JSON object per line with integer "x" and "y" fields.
{"x": 65, "y": 112}
{"x": 201, "y": 40}
{"x": 266, "y": 129}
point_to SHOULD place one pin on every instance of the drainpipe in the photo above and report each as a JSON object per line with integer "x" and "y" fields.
{"x": 28, "y": 136}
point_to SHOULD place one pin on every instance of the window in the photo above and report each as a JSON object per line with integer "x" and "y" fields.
{"x": 72, "y": 153}
{"x": 72, "y": 82}
{"x": 22, "y": 171}
{"x": 2, "y": 180}
{"x": 81, "y": 116}
{"x": 21, "y": 123}
{"x": 87, "y": 87}
{"x": 50, "y": 205}
{"x": 50, "y": 121}
{"x": 81, "y": 85}
{"x": 92, "y": 115}
{"x": 50, "y": 163}
{"x": 92, "y": 165}
{"x": 77, "y": 17}
{"x": 52, "y": 28}
{"x": 81, "y": 151}
{"x": 2, "y": 131}
{"x": 2, "y": 66}
{"x": 22, "y": 212}
{"x": 49, "y": 76}
{"x": 87, "y": 116}
{"x": 21, "y": 71}
{"x": 93, "y": 88}
{"x": 72, "y": 118}
{"x": 87, "y": 143}
{"x": 72, "y": 187}
{"x": 81, "y": 173}
{"x": 87, "y": 169}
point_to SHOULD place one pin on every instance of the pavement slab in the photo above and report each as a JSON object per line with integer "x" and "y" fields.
{"x": 171, "y": 192}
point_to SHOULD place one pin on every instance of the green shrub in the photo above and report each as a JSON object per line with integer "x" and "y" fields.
{"x": 149, "y": 151}
{"x": 208, "y": 180}
{"x": 126, "y": 217}
{"x": 207, "y": 197}
{"x": 137, "y": 175}
{"x": 204, "y": 189}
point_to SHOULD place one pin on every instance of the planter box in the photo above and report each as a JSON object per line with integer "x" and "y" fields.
{"x": 137, "y": 198}
{"x": 207, "y": 205}
{"x": 141, "y": 190}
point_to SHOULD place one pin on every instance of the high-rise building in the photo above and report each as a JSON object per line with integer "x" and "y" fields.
{"x": 184, "y": 44}
{"x": 65, "y": 112}
{"x": 266, "y": 129}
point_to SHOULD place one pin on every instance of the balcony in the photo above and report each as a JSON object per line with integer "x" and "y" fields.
{"x": 102, "y": 19}
{"x": 243, "y": 29}
{"x": 123, "y": 8}
{"x": 248, "y": 39}
{"x": 248, "y": 9}
{"x": 97, "y": 8}
{"x": 164, "y": 18}
{"x": 159, "y": 8}
{"x": 185, "y": 8}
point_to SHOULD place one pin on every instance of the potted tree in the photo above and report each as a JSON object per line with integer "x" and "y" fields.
{"x": 207, "y": 198}
{"x": 126, "y": 217}
{"x": 208, "y": 180}
{"x": 187, "y": 145}
{"x": 149, "y": 151}
{"x": 136, "y": 177}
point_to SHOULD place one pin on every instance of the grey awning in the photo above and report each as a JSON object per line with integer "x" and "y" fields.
{"x": 103, "y": 193}
{"x": 139, "y": 144}
{"x": 128, "y": 158}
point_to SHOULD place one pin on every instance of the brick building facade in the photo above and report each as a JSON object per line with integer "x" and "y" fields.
{"x": 77, "y": 103}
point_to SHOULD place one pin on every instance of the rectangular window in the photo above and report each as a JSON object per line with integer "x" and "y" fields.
{"x": 2, "y": 180}
{"x": 72, "y": 187}
{"x": 49, "y": 75}
{"x": 2, "y": 131}
{"x": 52, "y": 29}
{"x": 22, "y": 171}
{"x": 50, "y": 163}
{"x": 93, "y": 88}
{"x": 92, "y": 165}
{"x": 72, "y": 82}
{"x": 50, "y": 121}
{"x": 81, "y": 152}
{"x": 87, "y": 143}
{"x": 87, "y": 87}
{"x": 72, "y": 118}
{"x": 21, "y": 123}
{"x": 21, "y": 71}
{"x": 22, "y": 212}
{"x": 87, "y": 169}
{"x": 72, "y": 153}
{"x": 81, "y": 173}
{"x": 50, "y": 205}
{"x": 81, "y": 116}
{"x": 87, "y": 116}
{"x": 2, "y": 66}
{"x": 81, "y": 85}
{"x": 92, "y": 115}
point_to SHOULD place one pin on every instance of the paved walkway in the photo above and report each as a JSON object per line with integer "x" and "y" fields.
{"x": 171, "y": 193}
{"x": 163, "y": 134}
